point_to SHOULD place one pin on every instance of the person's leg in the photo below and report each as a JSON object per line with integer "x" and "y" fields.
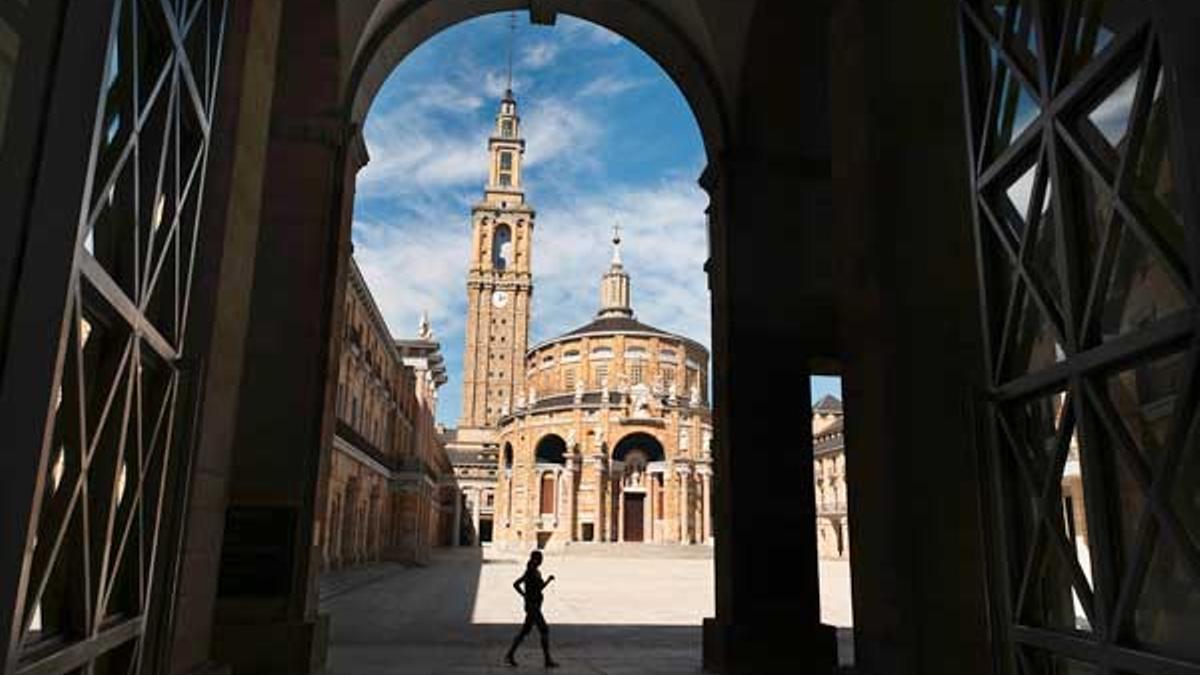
{"x": 544, "y": 632}
{"x": 525, "y": 628}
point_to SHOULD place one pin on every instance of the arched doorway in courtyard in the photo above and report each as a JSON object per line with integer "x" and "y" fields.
{"x": 642, "y": 486}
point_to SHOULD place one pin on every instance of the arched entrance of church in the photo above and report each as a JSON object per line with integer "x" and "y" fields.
{"x": 639, "y": 457}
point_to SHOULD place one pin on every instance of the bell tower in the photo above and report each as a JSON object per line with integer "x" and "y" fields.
{"x": 499, "y": 279}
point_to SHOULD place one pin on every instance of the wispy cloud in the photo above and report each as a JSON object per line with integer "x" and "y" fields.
{"x": 610, "y": 85}
{"x": 538, "y": 55}
{"x": 416, "y": 267}
{"x": 558, "y": 130}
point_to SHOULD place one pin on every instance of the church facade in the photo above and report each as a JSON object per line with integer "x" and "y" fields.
{"x": 601, "y": 434}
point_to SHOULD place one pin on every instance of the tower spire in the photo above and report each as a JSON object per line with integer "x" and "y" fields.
{"x": 512, "y": 38}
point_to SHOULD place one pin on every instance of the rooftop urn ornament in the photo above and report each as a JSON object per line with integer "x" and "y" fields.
{"x": 424, "y": 331}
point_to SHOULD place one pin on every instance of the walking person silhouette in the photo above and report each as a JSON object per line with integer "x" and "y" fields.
{"x": 532, "y": 581}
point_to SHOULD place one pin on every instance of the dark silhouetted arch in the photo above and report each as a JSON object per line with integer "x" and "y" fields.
{"x": 551, "y": 449}
{"x": 639, "y": 440}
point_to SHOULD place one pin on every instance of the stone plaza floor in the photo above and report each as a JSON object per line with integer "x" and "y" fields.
{"x": 613, "y": 610}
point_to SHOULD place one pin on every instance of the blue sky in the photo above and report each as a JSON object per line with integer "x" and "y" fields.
{"x": 609, "y": 139}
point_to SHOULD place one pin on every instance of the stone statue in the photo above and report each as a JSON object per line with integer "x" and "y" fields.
{"x": 424, "y": 331}
{"x": 520, "y": 400}
{"x": 685, "y": 440}
{"x": 695, "y": 396}
{"x": 673, "y": 393}
{"x": 707, "y": 447}
{"x": 503, "y": 409}
{"x": 598, "y": 436}
{"x": 532, "y": 397}
{"x": 640, "y": 400}
{"x": 604, "y": 390}
{"x": 578, "y": 391}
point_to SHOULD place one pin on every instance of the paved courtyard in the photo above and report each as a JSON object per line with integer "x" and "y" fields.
{"x": 613, "y": 610}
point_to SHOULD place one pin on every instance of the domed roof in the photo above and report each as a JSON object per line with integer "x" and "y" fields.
{"x": 612, "y": 325}
{"x": 616, "y": 324}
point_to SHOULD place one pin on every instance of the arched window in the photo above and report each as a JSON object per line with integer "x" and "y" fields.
{"x": 502, "y": 248}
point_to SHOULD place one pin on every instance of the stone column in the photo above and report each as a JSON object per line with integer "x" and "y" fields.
{"x": 685, "y": 508}
{"x": 456, "y": 526}
{"x": 619, "y": 495}
{"x": 602, "y": 513}
{"x": 569, "y": 527}
{"x": 911, "y": 346}
{"x": 647, "y": 516}
{"x": 651, "y": 492}
{"x": 705, "y": 506}
{"x": 475, "y": 506}
{"x": 772, "y": 194}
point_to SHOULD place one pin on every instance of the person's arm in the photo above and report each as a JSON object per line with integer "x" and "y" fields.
{"x": 547, "y": 583}
{"x": 517, "y": 586}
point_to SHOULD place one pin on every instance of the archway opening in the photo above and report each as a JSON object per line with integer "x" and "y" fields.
{"x": 831, "y": 481}
{"x": 551, "y": 449}
{"x": 592, "y": 141}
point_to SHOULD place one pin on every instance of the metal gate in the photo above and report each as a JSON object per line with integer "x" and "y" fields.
{"x": 87, "y": 599}
{"x": 1087, "y": 247}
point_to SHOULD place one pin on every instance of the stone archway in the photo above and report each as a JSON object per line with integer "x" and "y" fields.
{"x": 298, "y": 81}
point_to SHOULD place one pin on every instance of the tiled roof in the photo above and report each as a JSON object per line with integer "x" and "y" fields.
{"x": 828, "y": 403}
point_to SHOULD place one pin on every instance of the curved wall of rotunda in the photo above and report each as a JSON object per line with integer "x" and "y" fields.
{"x": 609, "y": 442}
